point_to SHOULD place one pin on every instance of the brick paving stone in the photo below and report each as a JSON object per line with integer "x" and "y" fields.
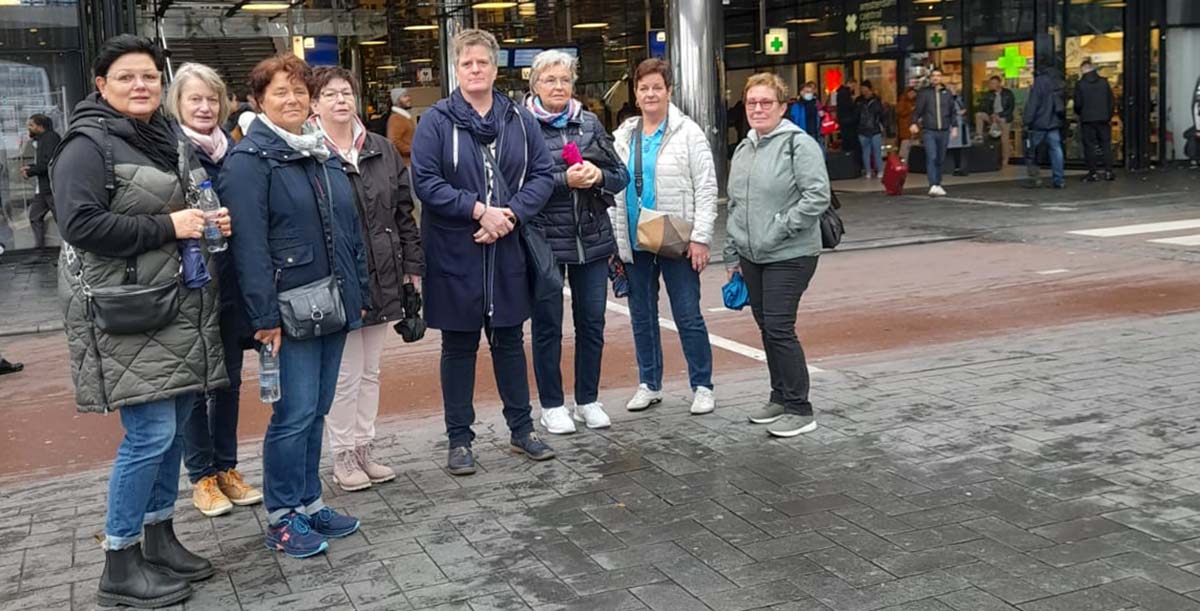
{"x": 973, "y": 599}
{"x": 667, "y": 597}
{"x": 1093, "y": 599}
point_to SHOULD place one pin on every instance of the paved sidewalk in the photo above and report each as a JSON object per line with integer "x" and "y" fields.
{"x": 1050, "y": 472}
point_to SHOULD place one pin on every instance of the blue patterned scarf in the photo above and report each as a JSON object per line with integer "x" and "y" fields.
{"x": 553, "y": 119}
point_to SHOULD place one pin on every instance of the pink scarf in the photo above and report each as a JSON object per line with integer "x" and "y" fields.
{"x": 214, "y": 143}
{"x": 360, "y": 138}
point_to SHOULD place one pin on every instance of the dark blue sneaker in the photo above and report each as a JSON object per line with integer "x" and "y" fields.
{"x": 461, "y": 461}
{"x": 532, "y": 446}
{"x": 333, "y": 524}
{"x": 293, "y": 535}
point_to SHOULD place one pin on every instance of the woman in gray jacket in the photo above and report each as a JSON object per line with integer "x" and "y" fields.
{"x": 778, "y": 189}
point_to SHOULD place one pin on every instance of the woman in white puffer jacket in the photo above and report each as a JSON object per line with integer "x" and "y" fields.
{"x": 678, "y": 179}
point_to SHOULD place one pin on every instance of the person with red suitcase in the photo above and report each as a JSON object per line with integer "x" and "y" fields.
{"x": 895, "y": 172}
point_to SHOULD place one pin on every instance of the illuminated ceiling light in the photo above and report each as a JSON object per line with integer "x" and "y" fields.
{"x": 930, "y": 18}
{"x": 591, "y": 25}
{"x": 632, "y": 47}
{"x": 528, "y": 9}
{"x": 420, "y": 27}
{"x": 386, "y": 67}
{"x": 1113, "y": 5}
{"x": 926, "y": 1}
{"x": 737, "y": 45}
{"x": 372, "y": 43}
{"x": 871, "y": 61}
{"x": 614, "y": 61}
{"x": 10, "y": 2}
{"x": 802, "y": 20}
{"x": 492, "y": 6}
{"x": 421, "y": 60}
{"x": 822, "y": 34}
{"x": 267, "y": 6}
{"x": 518, "y": 41}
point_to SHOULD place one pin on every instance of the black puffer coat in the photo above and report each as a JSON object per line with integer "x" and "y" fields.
{"x": 577, "y": 232}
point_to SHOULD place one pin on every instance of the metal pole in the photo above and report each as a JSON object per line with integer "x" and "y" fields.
{"x": 695, "y": 34}
{"x": 450, "y": 23}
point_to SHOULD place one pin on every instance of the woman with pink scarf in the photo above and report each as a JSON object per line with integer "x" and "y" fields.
{"x": 198, "y": 100}
{"x": 395, "y": 262}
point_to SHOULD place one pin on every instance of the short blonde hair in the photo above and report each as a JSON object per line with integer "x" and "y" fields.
{"x": 549, "y": 59}
{"x": 476, "y": 38}
{"x": 767, "y": 79}
{"x": 206, "y": 75}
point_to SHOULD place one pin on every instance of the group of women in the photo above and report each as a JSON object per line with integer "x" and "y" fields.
{"x": 323, "y": 243}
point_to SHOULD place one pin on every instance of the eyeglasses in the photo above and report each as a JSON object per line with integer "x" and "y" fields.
{"x": 555, "y": 82}
{"x": 763, "y": 104}
{"x": 330, "y": 95}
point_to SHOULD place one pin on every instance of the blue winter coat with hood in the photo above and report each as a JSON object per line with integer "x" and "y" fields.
{"x": 277, "y": 199}
{"x": 465, "y": 282}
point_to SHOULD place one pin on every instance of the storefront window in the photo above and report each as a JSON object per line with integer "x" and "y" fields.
{"x": 41, "y": 72}
{"x": 934, "y": 24}
{"x": 998, "y": 20}
{"x": 1013, "y": 63}
{"x": 1105, "y": 50}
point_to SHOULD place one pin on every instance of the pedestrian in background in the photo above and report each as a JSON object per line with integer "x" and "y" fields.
{"x": 1094, "y": 108}
{"x": 960, "y": 134}
{"x": 296, "y": 227}
{"x": 845, "y": 102}
{"x": 400, "y": 124}
{"x": 122, "y": 177}
{"x": 668, "y": 155}
{"x": 995, "y": 115}
{"x": 481, "y": 170}
{"x": 1045, "y": 117}
{"x": 806, "y": 112}
{"x": 577, "y": 225}
{"x": 198, "y": 102}
{"x": 934, "y": 116}
{"x": 870, "y": 130}
{"x": 778, "y": 189}
{"x": 45, "y": 141}
{"x": 904, "y": 113}
{"x": 394, "y": 258}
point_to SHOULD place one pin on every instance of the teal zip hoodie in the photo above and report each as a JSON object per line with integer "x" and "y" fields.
{"x": 778, "y": 189}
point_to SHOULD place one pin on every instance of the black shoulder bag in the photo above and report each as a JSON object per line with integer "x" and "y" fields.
{"x": 316, "y": 309}
{"x": 545, "y": 278}
{"x": 832, "y": 227}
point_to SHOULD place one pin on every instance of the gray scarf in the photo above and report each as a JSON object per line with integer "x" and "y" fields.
{"x": 310, "y": 141}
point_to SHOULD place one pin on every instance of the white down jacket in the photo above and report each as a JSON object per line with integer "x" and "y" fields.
{"x": 685, "y": 180}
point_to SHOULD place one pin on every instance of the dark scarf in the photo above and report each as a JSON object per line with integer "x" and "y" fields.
{"x": 157, "y": 138}
{"x": 484, "y": 128}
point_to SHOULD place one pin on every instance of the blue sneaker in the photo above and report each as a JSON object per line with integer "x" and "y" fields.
{"x": 532, "y": 446}
{"x": 333, "y": 524}
{"x": 293, "y": 535}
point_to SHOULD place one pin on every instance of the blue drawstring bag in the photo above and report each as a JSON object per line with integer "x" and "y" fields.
{"x": 195, "y": 271}
{"x": 735, "y": 293}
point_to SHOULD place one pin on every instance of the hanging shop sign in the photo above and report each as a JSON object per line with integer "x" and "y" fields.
{"x": 777, "y": 41}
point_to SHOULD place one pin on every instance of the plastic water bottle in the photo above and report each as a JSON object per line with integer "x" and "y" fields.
{"x": 268, "y": 375}
{"x": 209, "y": 205}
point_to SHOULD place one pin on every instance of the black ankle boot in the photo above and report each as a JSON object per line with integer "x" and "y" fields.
{"x": 128, "y": 580}
{"x": 167, "y": 554}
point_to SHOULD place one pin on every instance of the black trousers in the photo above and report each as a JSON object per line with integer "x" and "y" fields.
{"x": 1097, "y": 141}
{"x": 775, "y": 292}
{"x": 458, "y": 381}
{"x": 42, "y": 204}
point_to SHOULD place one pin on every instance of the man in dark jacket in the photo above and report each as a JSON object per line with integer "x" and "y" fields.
{"x": 1094, "y": 107}
{"x": 934, "y": 118}
{"x": 45, "y": 141}
{"x": 870, "y": 131}
{"x": 1045, "y": 116}
{"x": 847, "y": 115}
{"x": 996, "y": 108}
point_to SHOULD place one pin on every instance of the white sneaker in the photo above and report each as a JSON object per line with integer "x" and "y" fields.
{"x": 933, "y": 191}
{"x": 643, "y": 398}
{"x": 940, "y": 191}
{"x": 557, "y": 421}
{"x": 704, "y": 402}
{"x": 593, "y": 414}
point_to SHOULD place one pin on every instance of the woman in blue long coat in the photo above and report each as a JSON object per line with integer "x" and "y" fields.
{"x": 475, "y": 263}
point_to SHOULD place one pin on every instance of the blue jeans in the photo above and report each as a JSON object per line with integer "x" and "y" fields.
{"x": 683, "y": 289}
{"x": 872, "y": 148}
{"x": 935, "y": 143}
{"x": 145, "y": 477}
{"x": 458, "y": 381}
{"x": 308, "y": 371}
{"x": 589, "y": 291}
{"x": 1053, "y": 140}
{"x": 210, "y": 432}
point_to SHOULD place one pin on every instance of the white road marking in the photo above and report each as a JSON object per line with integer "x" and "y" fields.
{"x": 1124, "y": 230}
{"x": 1050, "y": 272}
{"x": 1060, "y": 208}
{"x": 719, "y": 310}
{"x": 1187, "y": 240}
{"x": 716, "y": 340}
{"x": 986, "y": 202}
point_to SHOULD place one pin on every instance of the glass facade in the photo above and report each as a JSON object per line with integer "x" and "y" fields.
{"x": 41, "y": 72}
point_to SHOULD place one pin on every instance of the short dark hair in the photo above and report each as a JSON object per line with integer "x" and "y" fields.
{"x": 125, "y": 44}
{"x": 261, "y": 75}
{"x": 866, "y": 83}
{"x": 933, "y": 69}
{"x": 996, "y": 77}
{"x": 323, "y": 75}
{"x": 654, "y": 65}
{"x": 851, "y": 81}
{"x": 42, "y": 121}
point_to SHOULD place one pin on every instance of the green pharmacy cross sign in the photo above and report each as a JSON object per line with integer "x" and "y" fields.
{"x": 776, "y": 44}
{"x": 1011, "y": 62}
{"x": 936, "y": 39}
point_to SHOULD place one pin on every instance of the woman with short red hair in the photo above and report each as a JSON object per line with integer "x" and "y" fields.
{"x": 300, "y": 260}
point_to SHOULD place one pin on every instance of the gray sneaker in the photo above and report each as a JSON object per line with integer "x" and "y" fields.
{"x": 790, "y": 425}
{"x": 767, "y": 414}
